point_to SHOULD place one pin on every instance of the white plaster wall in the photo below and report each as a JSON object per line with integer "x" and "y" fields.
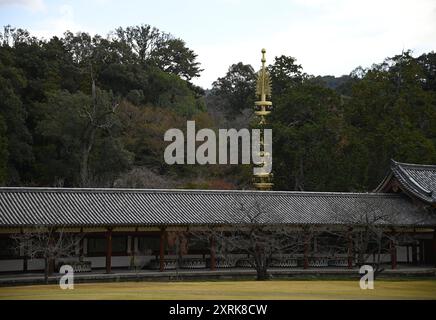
{"x": 143, "y": 260}
{"x": 120, "y": 261}
{"x": 11, "y": 265}
{"x": 96, "y": 262}
{"x": 402, "y": 254}
{"x": 35, "y": 264}
{"x": 384, "y": 258}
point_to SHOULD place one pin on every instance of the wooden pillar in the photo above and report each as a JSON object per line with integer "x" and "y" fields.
{"x": 306, "y": 251}
{"x": 393, "y": 255}
{"x": 414, "y": 249}
{"x": 414, "y": 253}
{"x": 133, "y": 249}
{"x": 52, "y": 243}
{"x": 162, "y": 250}
{"x": 434, "y": 247}
{"x": 109, "y": 250}
{"x": 25, "y": 247}
{"x": 25, "y": 263}
{"x": 182, "y": 240}
{"x": 81, "y": 248}
{"x": 421, "y": 251}
{"x": 51, "y": 267}
{"x": 81, "y": 236}
{"x": 212, "y": 254}
{"x": 350, "y": 248}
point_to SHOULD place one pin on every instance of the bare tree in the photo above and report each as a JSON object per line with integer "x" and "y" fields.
{"x": 142, "y": 177}
{"x": 99, "y": 116}
{"x": 47, "y": 243}
{"x": 368, "y": 231}
{"x": 263, "y": 237}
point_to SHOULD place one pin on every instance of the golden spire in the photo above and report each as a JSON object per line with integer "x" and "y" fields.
{"x": 263, "y": 180}
{"x": 263, "y": 85}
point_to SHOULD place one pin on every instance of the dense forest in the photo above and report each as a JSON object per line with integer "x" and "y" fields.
{"x": 91, "y": 111}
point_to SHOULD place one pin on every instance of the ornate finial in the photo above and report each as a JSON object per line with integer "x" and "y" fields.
{"x": 263, "y": 180}
{"x": 263, "y": 85}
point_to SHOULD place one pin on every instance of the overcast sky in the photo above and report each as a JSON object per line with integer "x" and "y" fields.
{"x": 326, "y": 36}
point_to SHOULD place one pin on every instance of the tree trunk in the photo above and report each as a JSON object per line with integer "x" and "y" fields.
{"x": 84, "y": 168}
{"x": 84, "y": 163}
{"x": 262, "y": 273}
{"x": 261, "y": 264}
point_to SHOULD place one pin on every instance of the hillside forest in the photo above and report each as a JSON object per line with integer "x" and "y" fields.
{"x": 91, "y": 111}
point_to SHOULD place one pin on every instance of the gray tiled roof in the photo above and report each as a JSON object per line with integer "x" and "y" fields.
{"x": 417, "y": 179}
{"x": 119, "y": 207}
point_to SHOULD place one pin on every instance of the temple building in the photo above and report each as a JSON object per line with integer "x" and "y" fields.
{"x": 134, "y": 228}
{"x": 415, "y": 180}
{"x": 156, "y": 229}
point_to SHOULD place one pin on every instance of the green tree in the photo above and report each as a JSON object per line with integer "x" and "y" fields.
{"x": 3, "y": 152}
{"x": 84, "y": 142}
{"x": 306, "y": 125}
{"x": 285, "y": 74}
{"x": 14, "y": 115}
{"x": 236, "y": 89}
{"x": 160, "y": 49}
{"x": 392, "y": 114}
{"x": 174, "y": 57}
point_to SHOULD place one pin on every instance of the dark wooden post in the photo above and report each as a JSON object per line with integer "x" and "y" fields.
{"x": 162, "y": 250}
{"x": 414, "y": 253}
{"x": 414, "y": 249}
{"x": 81, "y": 249}
{"x": 306, "y": 250}
{"x": 434, "y": 246}
{"x": 421, "y": 251}
{"x": 81, "y": 245}
{"x": 350, "y": 248}
{"x": 212, "y": 254}
{"x": 52, "y": 242}
{"x": 25, "y": 261}
{"x": 181, "y": 241}
{"x": 393, "y": 255}
{"x": 133, "y": 250}
{"x": 109, "y": 250}
{"x": 25, "y": 250}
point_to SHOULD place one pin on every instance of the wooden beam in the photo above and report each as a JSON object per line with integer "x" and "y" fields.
{"x": 109, "y": 250}
{"x": 162, "y": 250}
{"x": 212, "y": 253}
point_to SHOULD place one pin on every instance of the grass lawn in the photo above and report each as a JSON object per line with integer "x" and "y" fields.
{"x": 216, "y": 290}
